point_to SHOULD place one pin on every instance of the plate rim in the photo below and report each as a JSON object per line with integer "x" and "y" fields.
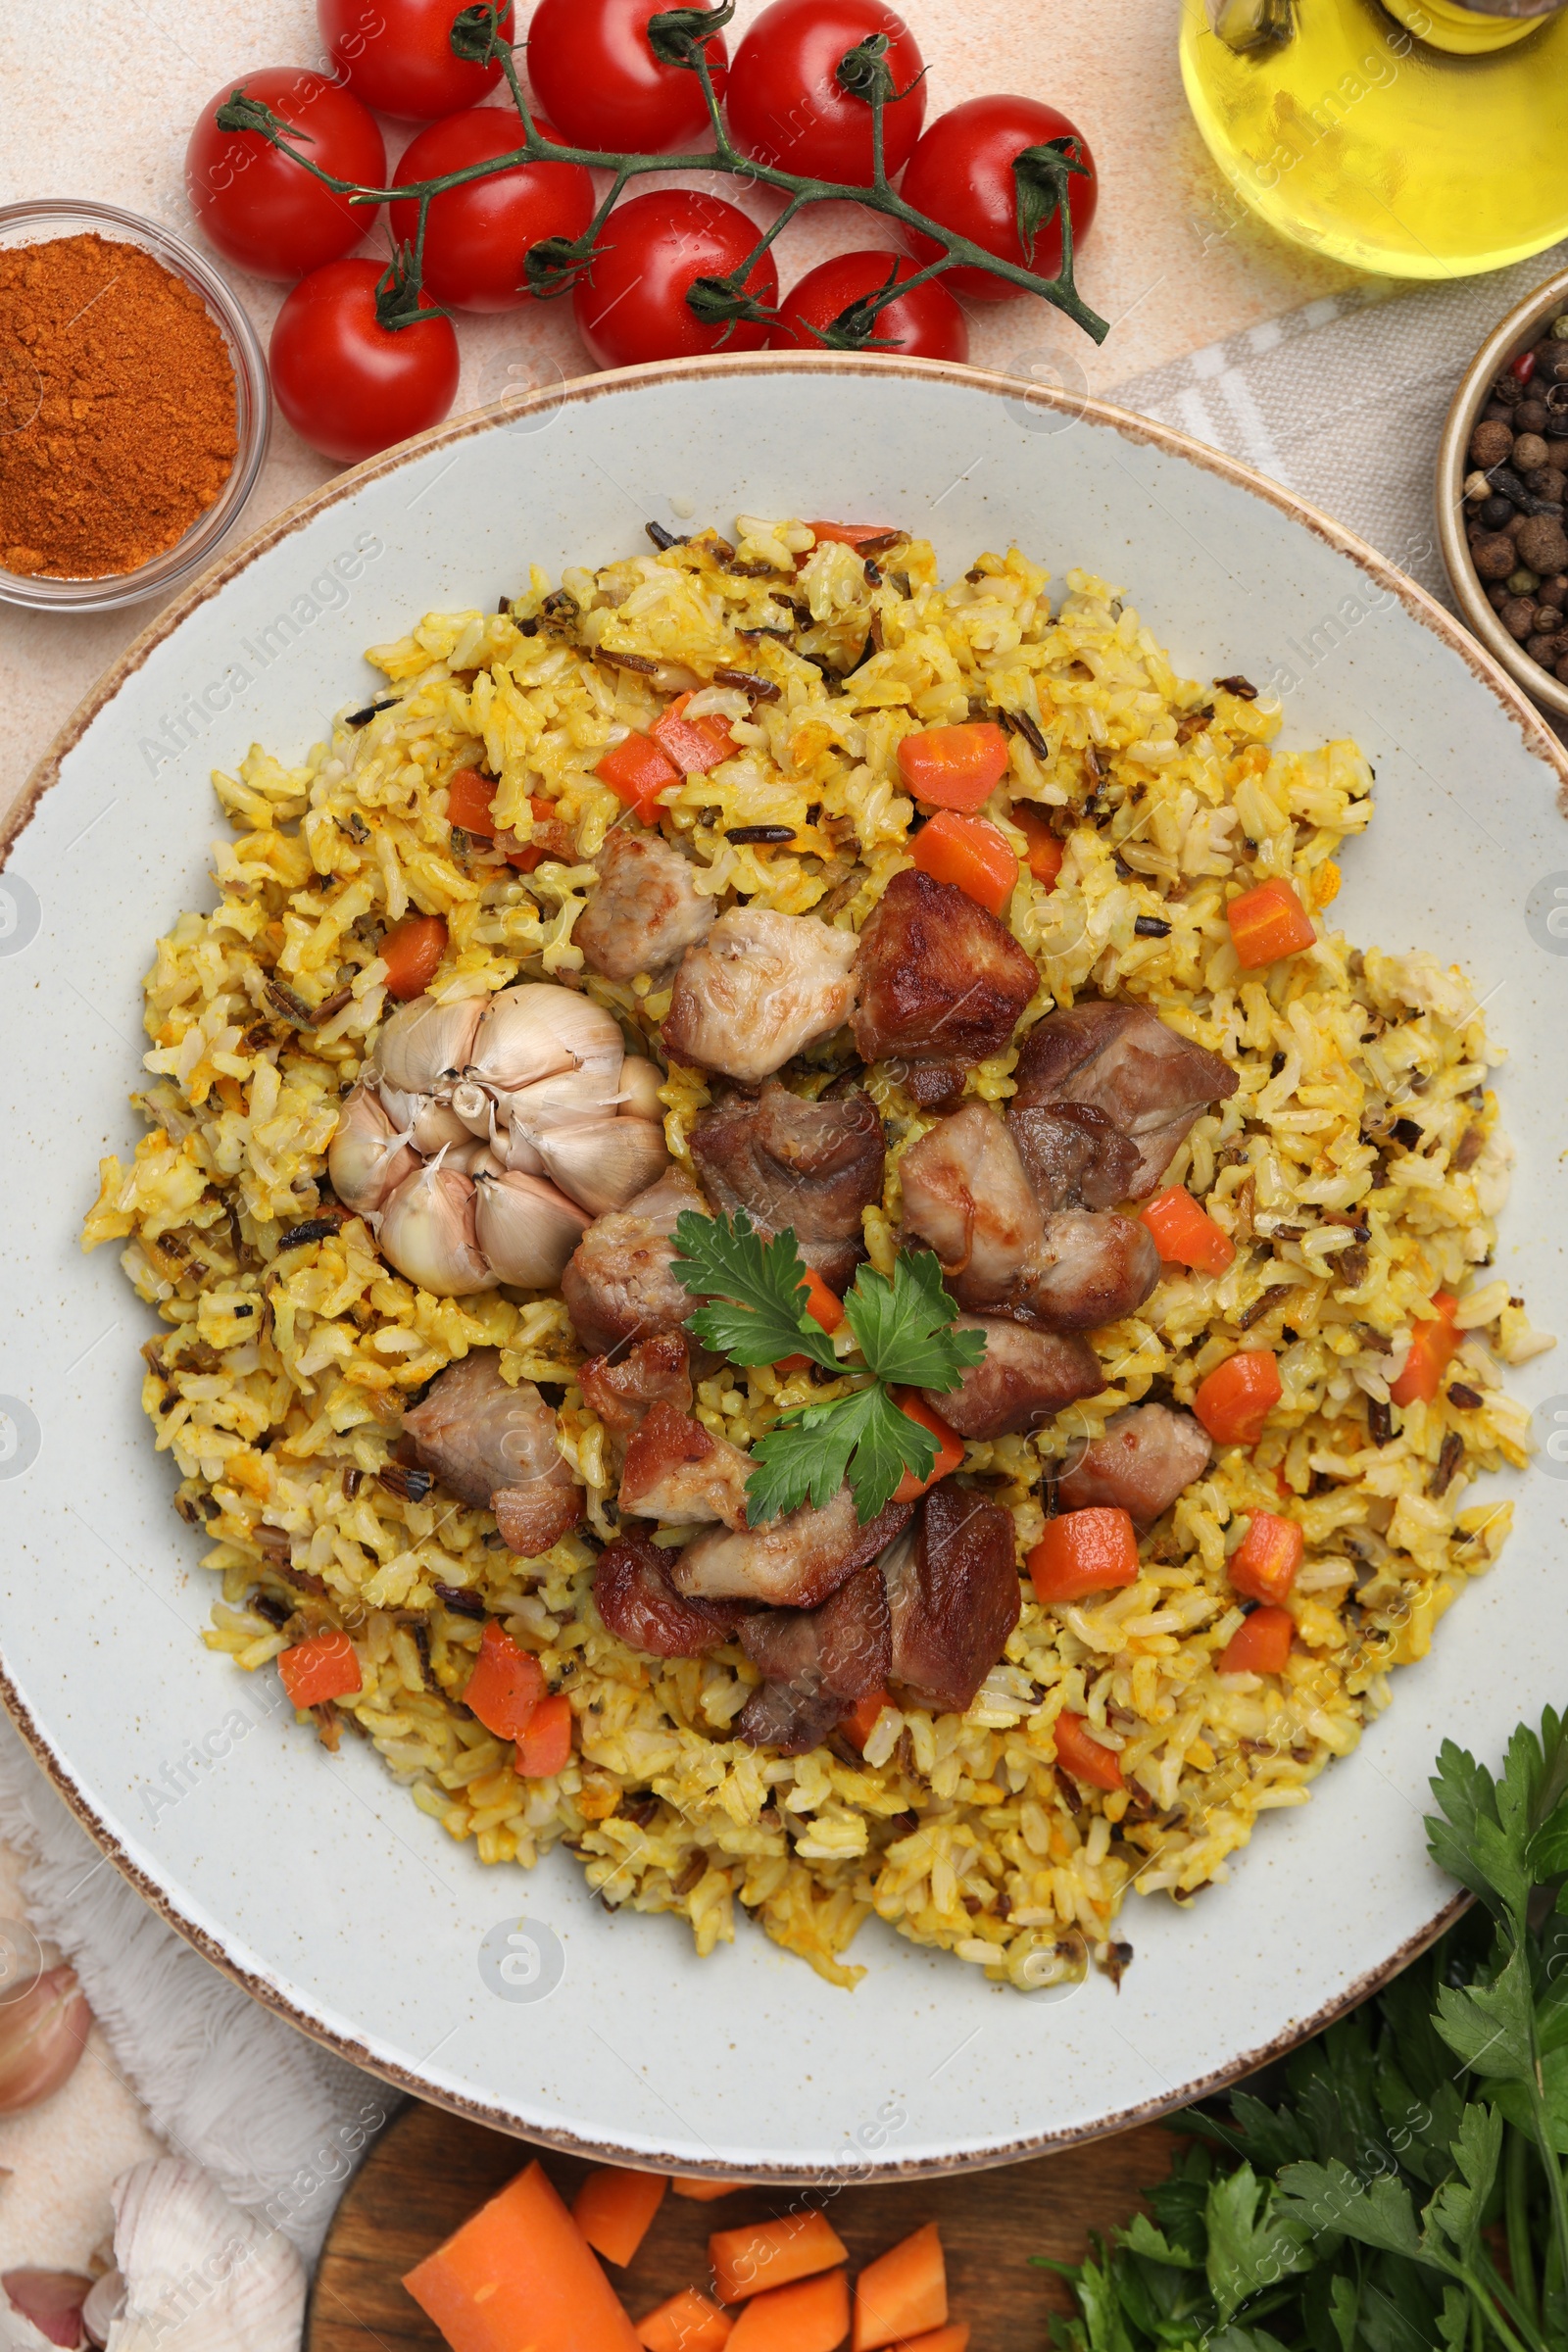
{"x": 1539, "y": 740}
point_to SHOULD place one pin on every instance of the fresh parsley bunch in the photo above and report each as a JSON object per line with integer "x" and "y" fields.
{"x": 1403, "y": 2189}
{"x": 755, "y": 1296}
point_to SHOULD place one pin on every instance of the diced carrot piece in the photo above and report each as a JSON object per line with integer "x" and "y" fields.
{"x": 1185, "y": 1233}
{"x": 468, "y": 798}
{"x": 531, "y": 851}
{"x": 858, "y": 1725}
{"x": 506, "y": 1685}
{"x": 772, "y": 2254}
{"x": 545, "y": 1747}
{"x": 1261, "y": 1646}
{"x": 1266, "y": 923}
{"x": 1264, "y": 1564}
{"x": 694, "y": 745}
{"x": 687, "y": 2322}
{"x": 813, "y": 2317}
{"x": 1236, "y": 1400}
{"x": 1084, "y": 1551}
{"x": 322, "y": 1668}
{"x": 520, "y": 2272}
{"x": 614, "y": 2209}
{"x": 703, "y": 2193}
{"x": 943, "y": 2339}
{"x": 412, "y": 952}
{"x": 1044, "y": 853}
{"x": 955, "y": 767}
{"x": 1432, "y": 1344}
{"x": 903, "y": 2293}
{"x": 949, "y": 1445}
{"x": 1084, "y": 1758}
{"x": 850, "y": 534}
{"x": 970, "y": 854}
{"x": 825, "y": 1306}
{"x": 637, "y": 772}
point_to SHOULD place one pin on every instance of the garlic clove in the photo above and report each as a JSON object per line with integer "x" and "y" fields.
{"x": 526, "y": 1229}
{"x": 103, "y": 2305}
{"x": 604, "y": 1167}
{"x": 539, "y": 1031}
{"x": 427, "y": 1232}
{"x": 201, "y": 2275}
{"x": 475, "y": 1108}
{"x": 52, "y": 2300}
{"x": 425, "y": 1045}
{"x": 41, "y": 2037}
{"x": 573, "y": 1099}
{"x": 367, "y": 1156}
{"x": 639, "y": 1082}
{"x": 438, "y": 1124}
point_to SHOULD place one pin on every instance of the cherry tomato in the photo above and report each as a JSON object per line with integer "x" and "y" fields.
{"x": 397, "y": 55}
{"x": 927, "y": 323}
{"x": 594, "y": 73}
{"x": 961, "y": 174}
{"x": 258, "y": 207}
{"x": 476, "y": 236}
{"x": 632, "y": 306}
{"x": 347, "y": 384}
{"x": 786, "y": 106}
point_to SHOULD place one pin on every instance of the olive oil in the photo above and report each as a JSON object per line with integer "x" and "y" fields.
{"x": 1425, "y": 138}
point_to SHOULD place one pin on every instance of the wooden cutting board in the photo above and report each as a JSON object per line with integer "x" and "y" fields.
{"x": 429, "y": 2171}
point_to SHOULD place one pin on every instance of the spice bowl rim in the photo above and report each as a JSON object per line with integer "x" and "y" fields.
{"x": 162, "y": 575}
{"x": 1507, "y": 338}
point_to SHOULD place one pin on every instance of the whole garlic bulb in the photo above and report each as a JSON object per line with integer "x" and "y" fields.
{"x": 199, "y": 2273}
{"x": 533, "y": 1098}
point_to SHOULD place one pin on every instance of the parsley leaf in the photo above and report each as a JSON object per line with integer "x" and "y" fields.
{"x": 905, "y": 1327}
{"x": 754, "y": 1292}
{"x": 863, "y": 1437}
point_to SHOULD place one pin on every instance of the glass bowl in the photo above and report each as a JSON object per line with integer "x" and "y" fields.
{"x": 65, "y": 217}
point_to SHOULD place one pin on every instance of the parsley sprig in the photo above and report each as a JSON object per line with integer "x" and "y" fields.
{"x": 1356, "y": 2207}
{"x": 754, "y": 1310}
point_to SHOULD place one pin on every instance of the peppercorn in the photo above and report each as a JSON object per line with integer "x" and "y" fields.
{"x": 1518, "y": 617}
{"x": 1490, "y": 445}
{"x": 1542, "y": 544}
{"x": 1548, "y": 619}
{"x": 1558, "y": 329}
{"x": 1495, "y": 414}
{"x": 1541, "y": 648}
{"x": 1495, "y": 513}
{"x": 1523, "y": 582}
{"x": 1555, "y": 591}
{"x": 1563, "y": 669}
{"x": 1530, "y": 416}
{"x": 1495, "y": 558}
{"x": 1545, "y": 482}
{"x": 1528, "y": 450}
{"x": 1497, "y": 593}
{"x": 1557, "y": 425}
{"x": 1507, "y": 392}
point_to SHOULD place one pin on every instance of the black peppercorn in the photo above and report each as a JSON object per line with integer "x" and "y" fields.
{"x": 1496, "y": 513}
{"x": 1530, "y": 416}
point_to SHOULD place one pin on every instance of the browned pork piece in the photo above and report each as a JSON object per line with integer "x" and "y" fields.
{"x": 1022, "y": 1380}
{"x": 812, "y": 1166}
{"x": 942, "y": 983}
{"x": 818, "y": 1664}
{"x": 1075, "y": 1156}
{"x": 967, "y": 1192}
{"x": 1145, "y": 1459}
{"x": 953, "y": 1600}
{"x": 792, "y": 1562}
{"x": 1149, "y": 1082}
{"x": 655, "y": 1371}
{"x": 760, "y": 987}
{"x": 645, "y": 911}
{"x": 641, "y": 1607}
{"x": 494, "y": 1446}
{"x": 617, "y": 1285}
{"x": 678, "y": 1473}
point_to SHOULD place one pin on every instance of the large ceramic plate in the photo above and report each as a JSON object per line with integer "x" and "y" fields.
{"x": 311, "y": 1878}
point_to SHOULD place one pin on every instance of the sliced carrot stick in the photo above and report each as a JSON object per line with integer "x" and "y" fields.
{"x": 545, "y": 1747}
{"x": 637, "y": 772}
{"x": 1185, "y": 1233}
{"x": 772, "y": 2254}
{"x": 506, "y": 1685}
{"x": 322, "y": 1668}
{"x": 970, "y": 854}
{"x": 1264, "y": 1564}
{"x": 949, "y": 1445}
{"x": 903, "y": 2293}
{"x": 520, "y": 2272}
{"x": 813, "y": 2317}
{"x": 1266, "y": 923}
{"x": 468, "y": 798}
{"x": 1084, "y": 1758}
{"x": 1044, "y": 853}
{"x": 703, "y": 2193}
{"x": 1432, "y": 1341}
{"x": 412, "y": 952}
{"x": 825, "y": 1306}
{"x": 1261, "y": 1645}
{"x": 850, "y": 534}
{"x": 694, "y": 745}
{"x": 1236, "y": 1400}
{"x": 614, "y": 2209}
{"x": 943, "y": 2339}
{"x": 955, "y": 767}
{"x": 1084, "y": 1551}
{"x": 687, "y": 2322}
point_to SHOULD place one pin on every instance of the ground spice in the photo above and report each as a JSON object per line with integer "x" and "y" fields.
{"x": 117, "y": 408}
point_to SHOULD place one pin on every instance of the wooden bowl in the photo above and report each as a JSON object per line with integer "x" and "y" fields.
{"x": 1517, "y": 333}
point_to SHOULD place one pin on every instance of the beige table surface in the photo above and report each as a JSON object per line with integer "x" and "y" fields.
{"x": 103, "y": 110}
